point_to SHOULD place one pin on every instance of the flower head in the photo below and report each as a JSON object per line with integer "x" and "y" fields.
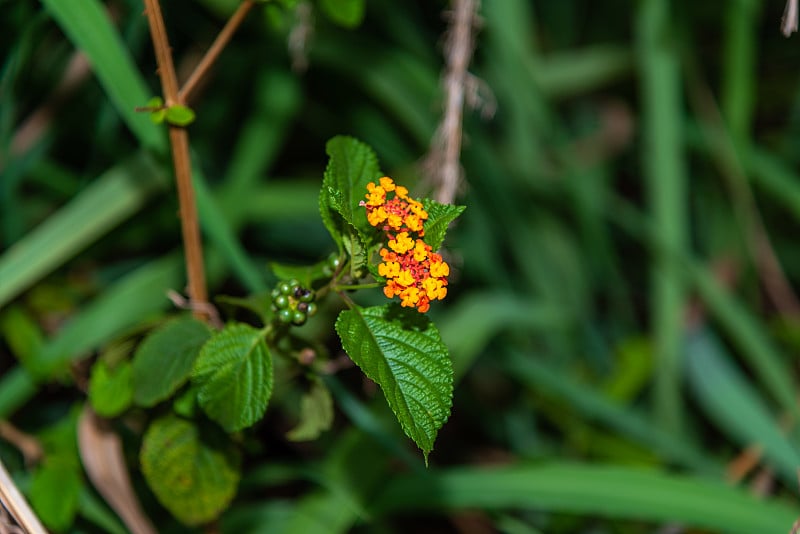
{"x": 413, "y": 272}
{"x": 398, "y": 213}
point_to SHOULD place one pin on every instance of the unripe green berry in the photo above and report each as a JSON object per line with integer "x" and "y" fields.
{"x": 285, "y": 316}
{"x": 334, "y": 261}
{"x": 312, "y": 309}
{"x": 285, "y": 288}
{"x": 281, "y": 301}
{"x": 274, "y": 293}
{"x": 298, "y": 318}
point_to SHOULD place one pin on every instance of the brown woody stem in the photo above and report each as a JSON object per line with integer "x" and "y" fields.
{"x": 179, "y": 141}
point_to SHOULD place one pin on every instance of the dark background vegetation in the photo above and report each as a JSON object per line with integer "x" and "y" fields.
{"x": 621, "y": 295}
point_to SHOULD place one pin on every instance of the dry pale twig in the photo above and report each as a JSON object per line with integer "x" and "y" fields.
{"x": 789, "y": 19}
{"x": 443, "y": 165}
{"x": 13, "y": 504}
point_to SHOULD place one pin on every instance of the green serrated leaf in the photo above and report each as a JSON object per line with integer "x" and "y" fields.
{"x": 352, "y": 165}
{"x": 55, "y": 491}
{"x": 403, "y": 353}
{"x": 347, "y": 13}
{"x": 111, "y": 389}
{"x": 164, "y": 360}
{"x": 316, "y": 413}
{"x": 193, "y": 473}
{"x": 439, "y": 218}
{"x": 179, "y": 115}
{"x": 358, "y": 254}
{"x": 234, "y": 377}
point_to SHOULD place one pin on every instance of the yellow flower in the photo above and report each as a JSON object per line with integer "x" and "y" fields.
{"x": 402, "y": 243}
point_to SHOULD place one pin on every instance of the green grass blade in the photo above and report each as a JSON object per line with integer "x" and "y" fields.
{"x": 594, "y": 406}
{"x": 112, "y": 198}
{"x": 565, "y": 74}
{"x": 664, "y": 170}
{"x": 739, "y": 75}
{"x": 89, "y": 27}
{"x": 472, "y": 322}
{"x": 744, "y": 329}
{"x": 222, "y": 234}
{"x": 615, "y": 492}
{"x": 731, "y": 401}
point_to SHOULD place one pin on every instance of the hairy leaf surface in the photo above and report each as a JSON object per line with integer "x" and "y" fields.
{"x": 193, "y": 474}
{"x": 352, "y": 165}
{"x": 402, "y": 351}
{"x": 234, "y": 377}
{"x": 439, "y": 218}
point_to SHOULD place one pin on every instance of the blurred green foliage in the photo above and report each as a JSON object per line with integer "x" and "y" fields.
{"x": 620, "y": 317}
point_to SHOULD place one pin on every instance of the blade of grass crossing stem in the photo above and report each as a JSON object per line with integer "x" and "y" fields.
{"x": 735, "y": 405}
{"x": 112, "y": 198}
{"x": 614, "y": 492}
{"x": 664, "y": 169}
{"x": 222, "y": 234}
{"x": 739, "y": 71}
{"x": 541, "y": 377}
{"x": 88, "y": 26}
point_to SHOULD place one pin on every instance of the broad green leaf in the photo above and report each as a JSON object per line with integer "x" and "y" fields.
{"x": 439, "y": 218}
{"x": 352, "y": 165}
{"x": 110, "y": 388}
{"x": 234, "y": 377}
{"x": 316, "y": 413}
{"x": 401, "y": 350}
{"x": 55, "y": 490}
{"x": 607, "y": 491}
{"x": 179, "y": 115}
{"x": 164, "y": 360}
{"x": 193, "y": 473}
{"x": 347, "y": 13}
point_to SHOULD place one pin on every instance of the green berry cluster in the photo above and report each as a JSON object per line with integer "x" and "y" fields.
{"x": 293, "y": 303}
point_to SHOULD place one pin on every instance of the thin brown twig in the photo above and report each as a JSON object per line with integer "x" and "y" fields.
{"x": 179, "y": 141}
{"x": 216, "y": 48}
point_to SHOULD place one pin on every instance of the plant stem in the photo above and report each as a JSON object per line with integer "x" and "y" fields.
{"x": 179, "y": 141}
{"x": 215, "y": 50}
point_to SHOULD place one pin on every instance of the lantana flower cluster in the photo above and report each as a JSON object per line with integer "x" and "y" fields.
{"x": 413, "y": 272}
